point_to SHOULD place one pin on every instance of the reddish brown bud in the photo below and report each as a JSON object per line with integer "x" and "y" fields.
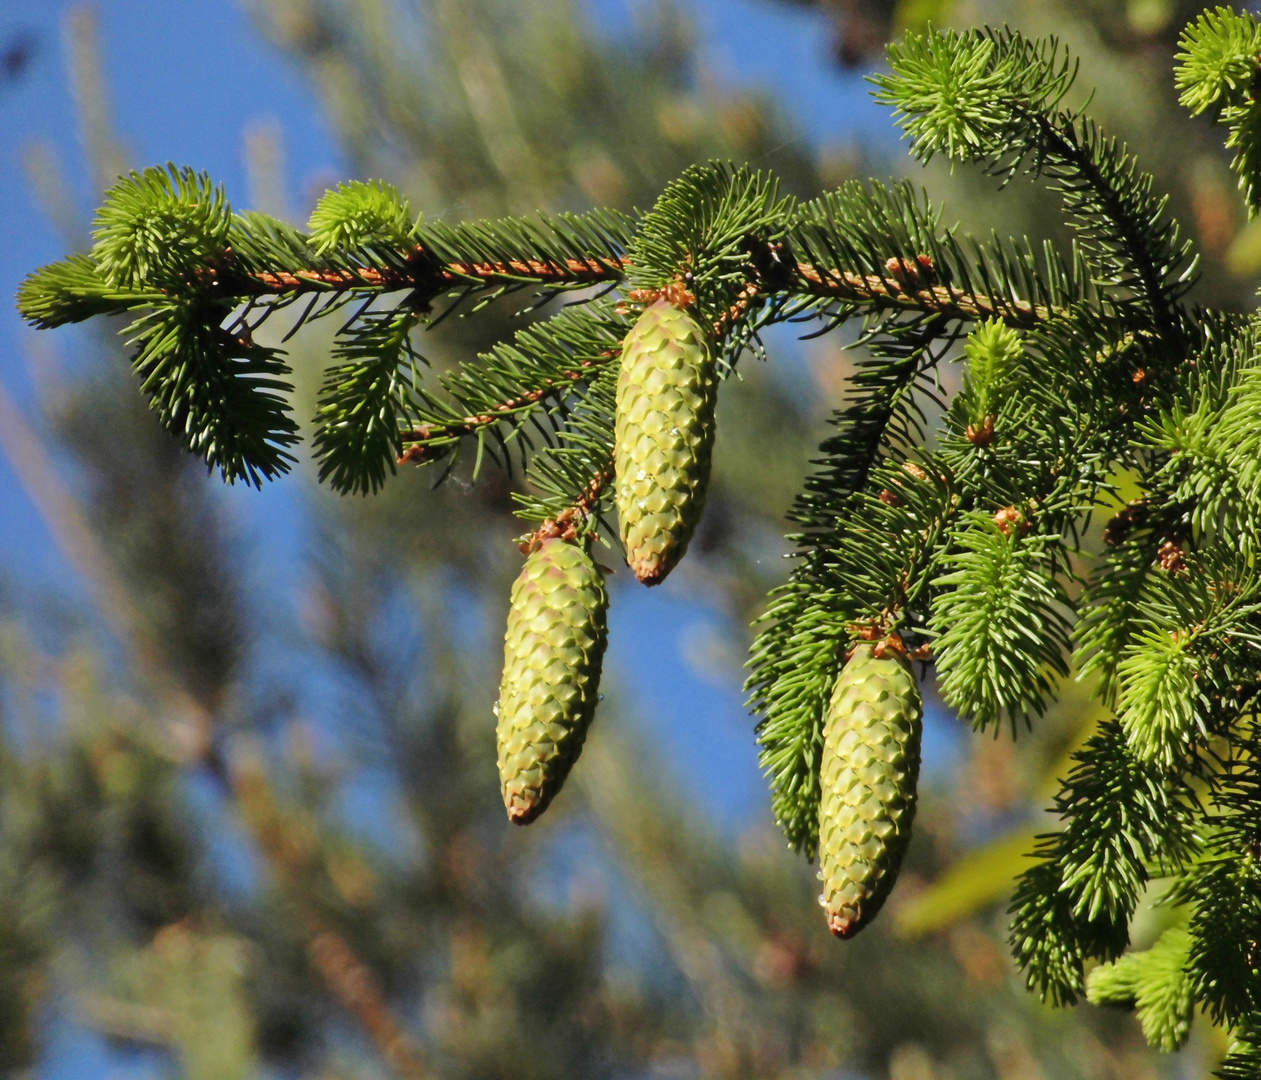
{"x": 678, "y": 294}
{"x": 981, "y": 434}
{"x": 1008, "y": 518}
{"x": 892, "y": 645}
{"x": 1170, "y": 557}
{"x": 911, "y": 274}
{"x": 416, "y": 454}
{"x": 1131, "y": 516}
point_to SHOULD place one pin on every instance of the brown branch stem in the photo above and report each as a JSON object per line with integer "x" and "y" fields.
{"x": 736, "y": 312}
{"x": 890, "y": 292}
{"x": 567, "y": 522}
{"x": 427, "y": 438}
{"x": 426, "y": 277}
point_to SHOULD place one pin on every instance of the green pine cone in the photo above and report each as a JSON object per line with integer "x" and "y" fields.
{"x": 870, "y": 764}
{"x": 553, "y": 649}
{"x": 664, "y": 437}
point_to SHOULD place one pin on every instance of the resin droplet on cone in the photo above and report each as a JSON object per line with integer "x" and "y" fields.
{"x": 868, "y": 771}
{"x": 553, "y": 649}
{"x": 663, "y": 437}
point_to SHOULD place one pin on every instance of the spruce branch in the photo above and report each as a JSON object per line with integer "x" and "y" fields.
{"x": 999, "y": 620}
{"x": 1158, "y": 695}
{"x": 1110, "y": 603}
{"x": 1222, "y": 888}
{"x": 425, "y": 277}
{"x": 994, "y": 353}
{"x": 1224, "y": 891}
{"x": 363, "y": 245}
{"x": 222, "y": 395}
{"x": 366, "y": 399}
{"x": 165, "y": 232}
{"x": 899, "y": 293}
{"x": 1218, "y": 62}
{"x": 361, "y": 215}
{"x": 573, "y": 521}
{"x": 704, "y": 231}
{"x": 809, "y": 621}
{"x": 568, "y": 480}
{"x": 993, "y": 97}
{"x": 883, "y": 248}
{"x": 1192, "y": 644}
{"x": 1047, "y": 942}
{"x": 1122, "y": 818}
{"x": 1243, "y": 1062}
{"x": 516, "y": 388}
{"x": 1192, "y": 482}
{"x": 73, "y": 290}
{"x": 160, "y": 226}
{"x": 1218, "y": 69}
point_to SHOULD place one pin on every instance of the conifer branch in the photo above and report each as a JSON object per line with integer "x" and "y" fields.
{"x": 424, "y": 442}
{"x": 519, "y": 391}
{"x": 1123, "y": 818}
{"x": 427, "y": 279}
{"x": 1092, "y": 174}
{"x": 810, "y": 621}
{"x": 906, "y": 291}
{"x": 993, "y": 97}
{"x": 902, "y": 289}
{"x": 574, "y": 520}
{"x": 430, "y": 440}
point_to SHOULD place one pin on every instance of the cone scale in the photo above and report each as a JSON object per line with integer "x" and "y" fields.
{"x": 663, "y": 437}
{"x": 553, "y": 650}
{"x": 869, "y": 769}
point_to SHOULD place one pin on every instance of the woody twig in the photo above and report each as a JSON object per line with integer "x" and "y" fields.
{"x": 425, "y": 442}
{"x": 569, "y": 522}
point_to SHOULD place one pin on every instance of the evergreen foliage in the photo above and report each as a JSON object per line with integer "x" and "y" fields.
{"x": 1155, "y": 982}
{"x": 968, "y": 546}
{"x": 1217, "y": 71}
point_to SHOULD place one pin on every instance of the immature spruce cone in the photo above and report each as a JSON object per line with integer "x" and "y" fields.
{"x": 553, "y": 649}
{"x": 664, "y": 436}
{"x": 870, "y": 763}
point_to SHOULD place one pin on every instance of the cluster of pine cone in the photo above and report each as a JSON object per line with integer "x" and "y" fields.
{"x": 557, "y": 631}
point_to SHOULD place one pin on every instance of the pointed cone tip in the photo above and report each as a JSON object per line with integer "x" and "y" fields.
{"x": 523, "y": 815}
{"x": 648, "y": 571}
{"x": 842, "y": 925}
